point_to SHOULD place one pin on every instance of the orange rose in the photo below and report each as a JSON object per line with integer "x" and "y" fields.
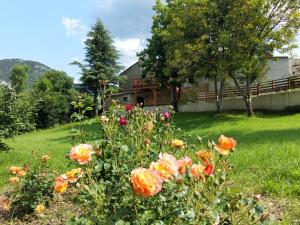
{"x": 4, "y": 203}
{"x": 164, "y": 169}
{"x": 22, "y": 173}
{"x": 225, "y": 145}
{"x": 197, "y": 170}
{"x": 39, "y": 209}
{"x": 15, "y": 169}
{"x": 45, "y": 158}
{"x": 183, "y": 164}
{"x": 177, "y": 144}
{"x": 166, "y": 166}
{"x": 60, "y": 185}
{"x": 146, "y": 182}
{"x": 73, "y": 175}
{"x": 82, "y": 153}
{"x": 14, "y": 180}
{"x": 204, "y": 155}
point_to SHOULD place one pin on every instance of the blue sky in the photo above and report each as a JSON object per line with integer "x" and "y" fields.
{"x": 52, "y": 32}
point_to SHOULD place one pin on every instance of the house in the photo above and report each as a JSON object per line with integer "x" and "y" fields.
{"x": 136, "y": 90}
{"x": 146, "y": 91}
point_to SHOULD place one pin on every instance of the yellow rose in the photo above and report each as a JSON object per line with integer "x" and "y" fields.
{"x": 14, "y": 180}
{"x": 39, "y": 209}
{"x": 177, "y": 144}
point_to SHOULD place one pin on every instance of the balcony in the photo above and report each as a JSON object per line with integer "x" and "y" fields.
{"x": 143, "y": 83}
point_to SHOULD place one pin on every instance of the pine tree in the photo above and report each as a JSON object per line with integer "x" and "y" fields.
{"x": 102, "y": 65}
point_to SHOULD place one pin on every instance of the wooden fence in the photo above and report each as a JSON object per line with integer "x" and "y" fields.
{"x": 273, "y": 86}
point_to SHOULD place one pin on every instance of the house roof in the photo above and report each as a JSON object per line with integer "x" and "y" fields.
{"x": 129, "y": 68}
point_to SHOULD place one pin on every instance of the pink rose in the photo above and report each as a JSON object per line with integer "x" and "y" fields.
{"x": 128, "y": 107}
{"x": 166, "y": 115}
{"x": 123, "y": 121}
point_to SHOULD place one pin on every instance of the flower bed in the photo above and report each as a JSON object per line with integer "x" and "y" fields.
{"x": 143, "y": 171}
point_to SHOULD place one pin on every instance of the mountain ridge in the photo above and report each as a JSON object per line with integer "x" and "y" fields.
{"x": 35, "y": 71}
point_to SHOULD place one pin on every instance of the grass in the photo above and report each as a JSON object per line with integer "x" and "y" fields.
{"x": 267, "y": 158}
{"x": 55, "y": 142}
{"x": 266, "y": 161}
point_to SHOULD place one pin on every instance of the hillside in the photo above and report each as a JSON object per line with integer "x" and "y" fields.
{"x": 36, "y": 69}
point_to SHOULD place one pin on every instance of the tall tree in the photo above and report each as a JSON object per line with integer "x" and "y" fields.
{"x": 154, "y": 58}
{"x": 19, "y": 77}
{"x": 102, "y": 65}
{"x": 257, "y": 29}
{"x": 228, "y": 38}
{"x": 196, "y": 41}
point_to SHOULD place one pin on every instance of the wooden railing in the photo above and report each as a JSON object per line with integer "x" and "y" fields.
{"x": 162, "y": 98}
{"x": 274, "y": 86}
{"x": 143, "y": 83}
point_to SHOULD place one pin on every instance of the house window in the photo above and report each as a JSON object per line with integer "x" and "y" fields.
{"x": 125, "y": 99}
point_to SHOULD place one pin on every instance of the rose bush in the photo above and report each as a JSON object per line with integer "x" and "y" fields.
{"x": 32, "y": 188}
{"x": 142, "y": 172}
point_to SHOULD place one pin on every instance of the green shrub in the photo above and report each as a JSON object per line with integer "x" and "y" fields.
{"x": 52, "y": 109}
{"x": 35, "y": 188}
{"x": 7, "y": 119}
{"x": 16, "y": 112}
{"x": 4, "y": 147}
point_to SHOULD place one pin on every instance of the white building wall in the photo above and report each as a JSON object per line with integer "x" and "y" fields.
{"x": 272, "y": 102}
{"x": 278, "y": 67}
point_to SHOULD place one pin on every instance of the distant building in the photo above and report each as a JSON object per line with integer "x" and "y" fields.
{"x": 142, "y": 91}
{"x": 145, "y": 91}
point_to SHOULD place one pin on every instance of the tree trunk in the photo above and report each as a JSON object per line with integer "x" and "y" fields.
{"x": 96, "y": 109}
{"x": 222, "y": 85}
{"x": 249, "y": 99}
{"x": 103, "y": 98}
{"x": 175, "y": 97}
{"x": 219, "y": 95}
{"x": 246, "y": 95}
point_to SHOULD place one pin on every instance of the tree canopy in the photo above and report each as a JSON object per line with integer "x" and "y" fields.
{"x": 219, "y": 40}
{"x": 19, "y": 77}
{"x": 101, "y": 62}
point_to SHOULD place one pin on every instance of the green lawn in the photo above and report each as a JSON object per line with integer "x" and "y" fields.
{"x": 266, "y": 160}
{"x": 55, "y": 142}
{"x": 267, "y": 157}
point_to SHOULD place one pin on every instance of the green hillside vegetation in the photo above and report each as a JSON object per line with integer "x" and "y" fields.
{"x": 36, "y": 69}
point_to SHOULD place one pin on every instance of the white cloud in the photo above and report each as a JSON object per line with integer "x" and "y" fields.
{"x": 74, "y": 27}
{"x": 128, "y": 49}
{"x": 75, "y": 58}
